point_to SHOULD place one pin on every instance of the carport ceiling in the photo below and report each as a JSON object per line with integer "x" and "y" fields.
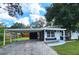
{"x": 23, "y": 30}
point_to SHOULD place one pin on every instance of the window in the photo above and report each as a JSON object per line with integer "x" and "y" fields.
{"x": 50, "y": 34}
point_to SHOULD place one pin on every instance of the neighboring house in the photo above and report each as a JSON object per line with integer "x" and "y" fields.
{"x": 74, "y": 35}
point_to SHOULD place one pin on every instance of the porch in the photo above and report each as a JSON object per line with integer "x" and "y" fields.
{"x": 54, "y": 34}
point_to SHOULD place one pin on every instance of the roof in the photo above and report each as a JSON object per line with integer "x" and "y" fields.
{"x": 54, "y": 28}
{"x": 35, "y": 29}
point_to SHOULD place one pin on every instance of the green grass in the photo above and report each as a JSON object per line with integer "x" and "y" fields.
{"x": 7, "y": 42}
{"x": 23, "y": 38}
{"x": 69, "y": 48}
{"x": 1, "y": 43}
{"x": 13, "y": 40}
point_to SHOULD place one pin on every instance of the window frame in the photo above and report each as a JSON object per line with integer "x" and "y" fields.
{"x": 50, "y": 33}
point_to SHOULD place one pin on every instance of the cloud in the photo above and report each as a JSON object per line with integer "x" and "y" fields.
{"x": 25, "y": 7}
{"x": 34, "y": 17}
{"x": 4, "y": 13}
{"x": 24, "y": 21}
{"x": 0, "y": 22}
{"x": 5, "y": 16}
{"x": 32, "y": 8}
{"x": 35, "y": 8}
{"x": 2, "y": 7}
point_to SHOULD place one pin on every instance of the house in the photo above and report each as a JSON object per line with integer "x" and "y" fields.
{"x": 74, "y": 35}
{"x": 46, "y": 34}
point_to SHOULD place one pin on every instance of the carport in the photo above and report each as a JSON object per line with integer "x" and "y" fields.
{"x": 31, "y": 31}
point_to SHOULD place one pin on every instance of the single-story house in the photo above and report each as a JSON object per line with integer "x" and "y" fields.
{"x": 45, "y": 34}
{"x": 74, "y": 35}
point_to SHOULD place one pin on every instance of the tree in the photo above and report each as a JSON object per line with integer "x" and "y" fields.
{"x": 66, "y": 15}
{"x": 1, "y": 31}
{"x": 41, "y": 22}
{"x": 18, "y": 25}
{"x": 2, "y": 28}
{"x": 36, "y": 24}
{"x": 13, "y": 9}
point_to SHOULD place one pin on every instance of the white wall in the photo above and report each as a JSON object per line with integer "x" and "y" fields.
{"x": 45, "y": 34}
{"x": 57, "y": 35}
{"x": 74, "y": 35}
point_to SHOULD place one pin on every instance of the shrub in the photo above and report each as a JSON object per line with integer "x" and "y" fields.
{"x": 1, "y": 36}
{"x": 1, "y": 30}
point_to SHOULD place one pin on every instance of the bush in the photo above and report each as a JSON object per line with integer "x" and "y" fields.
{"x": 1, "y": 30}
{"x": 1, "y": 36}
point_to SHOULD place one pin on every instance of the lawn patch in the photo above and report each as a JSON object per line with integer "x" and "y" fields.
{"x": 6, "y": 42}
{"x": 69, "y": 48}
{"x": 23, "y": 38}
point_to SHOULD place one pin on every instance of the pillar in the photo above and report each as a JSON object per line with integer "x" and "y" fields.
{"x": 4, "y": 39}
{"x": 38, "y": 34}
{"x": 10, "y": 37}
{"x": 63, "y": 35}
{"x": 44, "y": 36}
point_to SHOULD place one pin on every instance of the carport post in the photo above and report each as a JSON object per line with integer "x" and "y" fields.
{"x": 10, "y": 37}
{"x": 44, "y": 36}
{"x": 4, "y": 38}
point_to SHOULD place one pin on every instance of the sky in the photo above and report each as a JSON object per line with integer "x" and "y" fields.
{"x": 31, "y": 13}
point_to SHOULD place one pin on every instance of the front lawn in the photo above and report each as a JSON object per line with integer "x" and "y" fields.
{"x": 13, "y": 40}
{"x": 69, "y": 48}
{"x": 22, "y": 38}
{"x": 6, "y": 42}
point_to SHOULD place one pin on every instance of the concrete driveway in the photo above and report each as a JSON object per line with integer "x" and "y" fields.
{"x": 27, "y": 48}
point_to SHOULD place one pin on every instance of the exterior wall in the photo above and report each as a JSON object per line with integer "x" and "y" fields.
{"x": 45, "y": 34}
{"x": 74, "y": 35}
{"x": 42, "y": 35}
{"x": 57, "y": 34}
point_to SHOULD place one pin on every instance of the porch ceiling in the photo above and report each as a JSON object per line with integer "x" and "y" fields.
{"x": 23, "y": 30}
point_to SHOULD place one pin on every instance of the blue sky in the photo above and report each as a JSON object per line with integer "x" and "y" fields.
{"x": 30, "y": 11}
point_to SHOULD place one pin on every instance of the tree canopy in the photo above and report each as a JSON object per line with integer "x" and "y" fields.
{"x": 65, "y": 14}
{"x": 2, "y": 28}
{"x": 39, "y": 23}
{"x": 14, "y": 8}
{"x": 18, "y": 25}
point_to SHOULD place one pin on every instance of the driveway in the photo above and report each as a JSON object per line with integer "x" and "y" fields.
{"x": 27, "y": 48}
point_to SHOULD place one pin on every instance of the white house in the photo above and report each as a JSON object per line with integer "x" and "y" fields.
{"x": 74, "y": 35}
{"x": 45, "y": 34}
